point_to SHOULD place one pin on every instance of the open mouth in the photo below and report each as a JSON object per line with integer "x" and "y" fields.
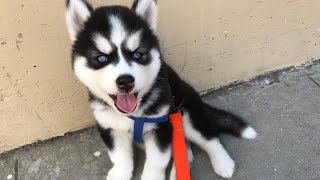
{"x": 125, "y": 103}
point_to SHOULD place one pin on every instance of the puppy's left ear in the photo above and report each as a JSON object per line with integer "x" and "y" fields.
{"x": 148, "y": 10}
{"x": 77, "y": 14}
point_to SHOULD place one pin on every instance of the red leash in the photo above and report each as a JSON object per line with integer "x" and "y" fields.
{"x": 179, "y": 147}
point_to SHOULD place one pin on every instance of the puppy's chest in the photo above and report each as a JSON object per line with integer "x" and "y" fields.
{"x": 109, "y": 119}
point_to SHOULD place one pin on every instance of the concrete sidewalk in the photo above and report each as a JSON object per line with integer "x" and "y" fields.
{"x": 284, "y": 108}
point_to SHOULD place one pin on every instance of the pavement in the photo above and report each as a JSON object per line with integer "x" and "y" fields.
{"x": 283, "y": 106}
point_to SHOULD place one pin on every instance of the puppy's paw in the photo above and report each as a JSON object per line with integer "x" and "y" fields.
{"x": 173, "y": 174}
{"x": 224, "y": 166}
{"x": 118, "y": 174}
{"x": 154, "y": 175}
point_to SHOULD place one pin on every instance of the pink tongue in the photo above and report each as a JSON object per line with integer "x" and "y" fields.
{"x": 126, "y": 102}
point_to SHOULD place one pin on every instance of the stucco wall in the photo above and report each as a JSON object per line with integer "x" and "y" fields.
{"x": 209, "y": 42}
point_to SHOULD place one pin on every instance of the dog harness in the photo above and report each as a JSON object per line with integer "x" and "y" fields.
{"x": 139, "y": 122}
{"x": 178, "y": 140}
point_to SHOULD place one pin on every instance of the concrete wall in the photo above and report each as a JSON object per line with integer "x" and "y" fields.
{"x": 209, "y": 42}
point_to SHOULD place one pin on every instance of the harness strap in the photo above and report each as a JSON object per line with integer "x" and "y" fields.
{"x": 178, "y": 140}
{"x": 139, "y": 122}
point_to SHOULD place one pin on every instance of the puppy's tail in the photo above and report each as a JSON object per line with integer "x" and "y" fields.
{"x": 230, "y": 124}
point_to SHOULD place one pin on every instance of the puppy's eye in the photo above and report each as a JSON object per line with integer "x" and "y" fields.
{"x": 136, "y": 55}
{"x": 102, "y": 58}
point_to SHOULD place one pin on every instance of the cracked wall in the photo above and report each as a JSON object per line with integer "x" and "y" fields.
{"x": 210, "y": 43}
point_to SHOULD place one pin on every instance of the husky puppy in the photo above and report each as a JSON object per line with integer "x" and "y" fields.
{"x": 116, "y": 55}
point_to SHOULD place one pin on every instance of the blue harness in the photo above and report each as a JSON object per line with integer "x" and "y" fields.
{"x": 139, "y": 122}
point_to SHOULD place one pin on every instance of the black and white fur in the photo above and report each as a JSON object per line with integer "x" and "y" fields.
{"x": 117, "y": 32}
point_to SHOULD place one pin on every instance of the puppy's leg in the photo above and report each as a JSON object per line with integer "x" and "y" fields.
{"x": 222, "y": 163}
{"x": 158, "y": 154}
{"x": 190, "y": 159}
{"x": 120, "y": 151}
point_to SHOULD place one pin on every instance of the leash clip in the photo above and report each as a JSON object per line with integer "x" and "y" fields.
{"x": 177, "y": 108}
{"x": 180, "y": 110}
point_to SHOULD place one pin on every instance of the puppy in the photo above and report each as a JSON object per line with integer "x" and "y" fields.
{"x": 116, "y": 55}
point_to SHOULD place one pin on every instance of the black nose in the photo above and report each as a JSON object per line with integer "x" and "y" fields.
{"x": 125, "y": 82}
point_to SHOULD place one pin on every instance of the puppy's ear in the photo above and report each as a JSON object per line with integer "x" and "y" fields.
{"x": 148, "y": 10}
{"x": 77, "y": 13}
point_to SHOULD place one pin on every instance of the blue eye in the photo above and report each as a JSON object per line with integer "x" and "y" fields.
{"x": 102, "y": 58}
{"x": 136, "y": 55}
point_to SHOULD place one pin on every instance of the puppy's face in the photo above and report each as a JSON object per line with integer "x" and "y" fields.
{"x": 115, "y": 50}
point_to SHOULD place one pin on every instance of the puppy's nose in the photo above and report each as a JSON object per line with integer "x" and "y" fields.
{"x": 125, "y": 82}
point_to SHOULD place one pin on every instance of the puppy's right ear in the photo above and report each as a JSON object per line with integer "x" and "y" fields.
{"x": 77, "y": 13}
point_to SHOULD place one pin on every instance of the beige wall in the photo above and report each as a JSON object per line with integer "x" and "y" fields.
{"x": 209, "y": 42}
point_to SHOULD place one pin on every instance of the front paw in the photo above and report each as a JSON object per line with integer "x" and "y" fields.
{"x": 173, "y": 174}
{"x": 154, "y": 175}
{"x": 119, "y": 174}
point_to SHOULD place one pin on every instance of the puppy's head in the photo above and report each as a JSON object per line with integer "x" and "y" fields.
{"x": 115, "y": 51}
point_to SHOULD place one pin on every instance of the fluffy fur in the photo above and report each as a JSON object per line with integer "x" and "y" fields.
{"x": 115, "y": 41}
